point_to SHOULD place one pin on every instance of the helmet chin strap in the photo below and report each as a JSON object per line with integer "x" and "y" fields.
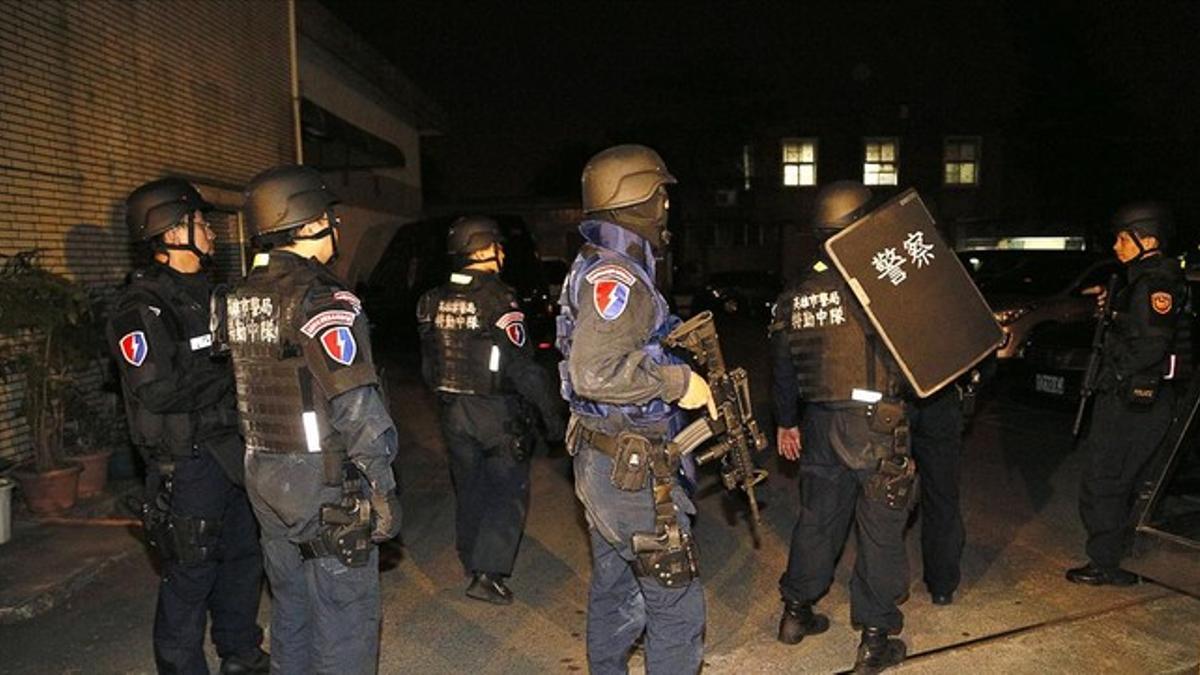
{"x": 190, "y": 245}
{"x": 1143, "y": 252}
{"x": 326, "y": 231}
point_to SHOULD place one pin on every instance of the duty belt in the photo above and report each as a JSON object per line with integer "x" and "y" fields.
{"x": 315, "y": 548}
{"x": 610, "y": 444}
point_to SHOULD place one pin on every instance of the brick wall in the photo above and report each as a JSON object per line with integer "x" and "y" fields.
{"x": 97, "y": 97}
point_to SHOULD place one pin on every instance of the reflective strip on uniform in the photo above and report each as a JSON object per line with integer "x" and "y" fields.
{"x": 312, "y": 435}
{"x": 460, "y": 279}
{"x": 866, "y": 395}
{"x": 261, "y": 259}
{"x": 201, "y": 342}
{"x": 494, "y": 360}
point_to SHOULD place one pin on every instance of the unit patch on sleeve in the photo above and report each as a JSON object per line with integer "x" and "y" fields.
{"x": 134, "y": 348}
{"x": 338, "y": 343}
{"x": 513, "y": 325}
{"x": 610, "y": 290}
{"x": 1161, "y": 301}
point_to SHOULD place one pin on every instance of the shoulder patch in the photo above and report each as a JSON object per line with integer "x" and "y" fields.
{"x": 330, "y": 317}
{"x": 513, "y": 325}
{"x": 1162, "y": 302}
{"x": 350, "y": 299}
{"x": 610, "y": 297}
{"x": 338, "y": 343}
{"x": 134, "y": 348}
{"x": 611, "y": 272}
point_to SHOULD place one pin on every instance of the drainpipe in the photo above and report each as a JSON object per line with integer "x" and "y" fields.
{"x": 293, "y": 39}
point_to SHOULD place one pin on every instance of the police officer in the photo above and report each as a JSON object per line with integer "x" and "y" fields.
{"x": 182, "y": 416}
{"x": 625, "y": 393}
{"x": 852, "y": 450}
{"x": 1134, "y": 399}
{"x": 475, "y": 354}
{"x": 319, "y": 438}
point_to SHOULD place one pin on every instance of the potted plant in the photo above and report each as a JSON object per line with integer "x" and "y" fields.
{"x": 88, "y": 441}
{"x": 51, "y": 315}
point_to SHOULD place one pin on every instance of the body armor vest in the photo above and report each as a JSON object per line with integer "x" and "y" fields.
{"x": 1178, "y": 362}
{"x": 280, "y": 407}
{"x": 834, "y": 350}
{"x": 590, "y": 257}
{"x": 168, "y": 435}
{"x": 461, "y": 342}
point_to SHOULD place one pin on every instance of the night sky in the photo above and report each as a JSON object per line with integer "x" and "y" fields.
{"x": 529, "y": 92}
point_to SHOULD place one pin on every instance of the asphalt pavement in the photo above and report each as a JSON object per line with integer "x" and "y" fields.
{"x": 1014, "y": 613}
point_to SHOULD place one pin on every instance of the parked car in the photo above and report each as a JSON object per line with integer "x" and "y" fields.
{"x": 749, "y": 292}
{"x": 1036, "y": 290}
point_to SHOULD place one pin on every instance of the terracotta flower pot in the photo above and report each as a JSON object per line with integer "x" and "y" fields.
{"x": 94, "y": 476}
{"x": 51, "y": 492}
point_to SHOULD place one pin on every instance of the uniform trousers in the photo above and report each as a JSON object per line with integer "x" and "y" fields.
{"x": 622, "y": 605}
{"x": 937, "y": 428}
{"x": 226, "y": 586}
{"x": 1120, "y": 444}
{"x": 831, "y": 498}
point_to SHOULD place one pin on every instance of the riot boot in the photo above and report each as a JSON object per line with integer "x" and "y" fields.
{"x": 489, "y": 588}
{"x": 250, "y": 663}
{"x": 798, "y": 620}
{"x": 1094, "y": 575}
{"x": 877, "y": 651}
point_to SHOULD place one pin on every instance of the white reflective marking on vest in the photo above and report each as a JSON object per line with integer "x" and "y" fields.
{"x": 866, "y": 395}
{"x": 261, "y": 260}
{"x": 312, "y": 435}
{"x": 201, "y": 342}
{"x": 461, "y": 279}
{"x": 152, "y": 308}
{"x": 494, "y": 361}
{"x": 1170, "y": 367}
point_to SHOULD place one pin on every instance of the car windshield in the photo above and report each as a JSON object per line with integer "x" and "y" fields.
{"x": 1038, "y": 273}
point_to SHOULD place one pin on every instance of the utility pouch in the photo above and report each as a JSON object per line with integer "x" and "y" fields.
{"x": 156, "y": 520}
{"x": 631, "y": 462}
{"x": 194, "y": 540}
{"x": 1141, "y": 390}
{"x": 346, "y": 530}
{"x": 893, "y": 482}
{"x": 885, "y": 416}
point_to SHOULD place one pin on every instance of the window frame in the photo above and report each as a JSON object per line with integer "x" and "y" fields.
{"x": 977, "y": 161}
{"x": 784, "y": 164}
{"x": 895, "y": 161}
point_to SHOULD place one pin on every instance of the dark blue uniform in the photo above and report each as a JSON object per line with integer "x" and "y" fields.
{"x": 937, "y": 429}
{"x": 617, "y": 378}
{"x": 310, "y": 411}
{"x": 825, "y": 358}
{"x": 475, "y": 354}
{"x": 182, "y": 416}
{"x": 1133, "y": 405}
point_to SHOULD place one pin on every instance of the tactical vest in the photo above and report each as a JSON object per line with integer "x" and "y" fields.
{"x": 1178, "y": 362}
{"x": 460, "y": 342}
{"x": 280, "y": 405}
{"x": 589, "y": 258}
{"x": 174, "y": 435}
{"x": 834, "y": 351}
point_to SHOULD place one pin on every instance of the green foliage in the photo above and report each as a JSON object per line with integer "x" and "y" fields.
{"x": 57, "y": 314}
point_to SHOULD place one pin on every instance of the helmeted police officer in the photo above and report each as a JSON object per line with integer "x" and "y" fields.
{"x": 319, "y": 438}
{"x": 476, "y": 355}
{"x": 625, "y": 393}
{"x": 182, "y": 416}
{"x": 852, "y": 451}
{"x": 1134, "y": 399}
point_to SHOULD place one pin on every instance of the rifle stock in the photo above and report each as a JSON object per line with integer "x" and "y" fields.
{"x": 1087, "y": 388}
{"x": 735, "y": 429}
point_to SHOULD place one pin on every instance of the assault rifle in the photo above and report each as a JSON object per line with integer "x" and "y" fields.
{"x": 735, "y": 429}
{"x": 1088, "y": 387}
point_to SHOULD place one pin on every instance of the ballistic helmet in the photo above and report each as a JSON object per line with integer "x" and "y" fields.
{"x": 472, "y": 233}
{"x": 622, "y": 176}
{"x": 286, "y": 197}
{"x": 160, "y": 205}
{"x": 839, "y": 204}
{"x": 1145, "y": 219}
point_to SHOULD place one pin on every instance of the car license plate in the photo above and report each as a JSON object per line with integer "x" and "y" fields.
{"x": 1049, "y": 384}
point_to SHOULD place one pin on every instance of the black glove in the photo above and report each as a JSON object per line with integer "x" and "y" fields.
{"x": 388, "y": 516}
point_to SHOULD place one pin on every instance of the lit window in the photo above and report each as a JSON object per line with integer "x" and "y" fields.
{"x": 960, "y": 157}
{"x": 800, "y": 162}
{"x": 881, "y": 161}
